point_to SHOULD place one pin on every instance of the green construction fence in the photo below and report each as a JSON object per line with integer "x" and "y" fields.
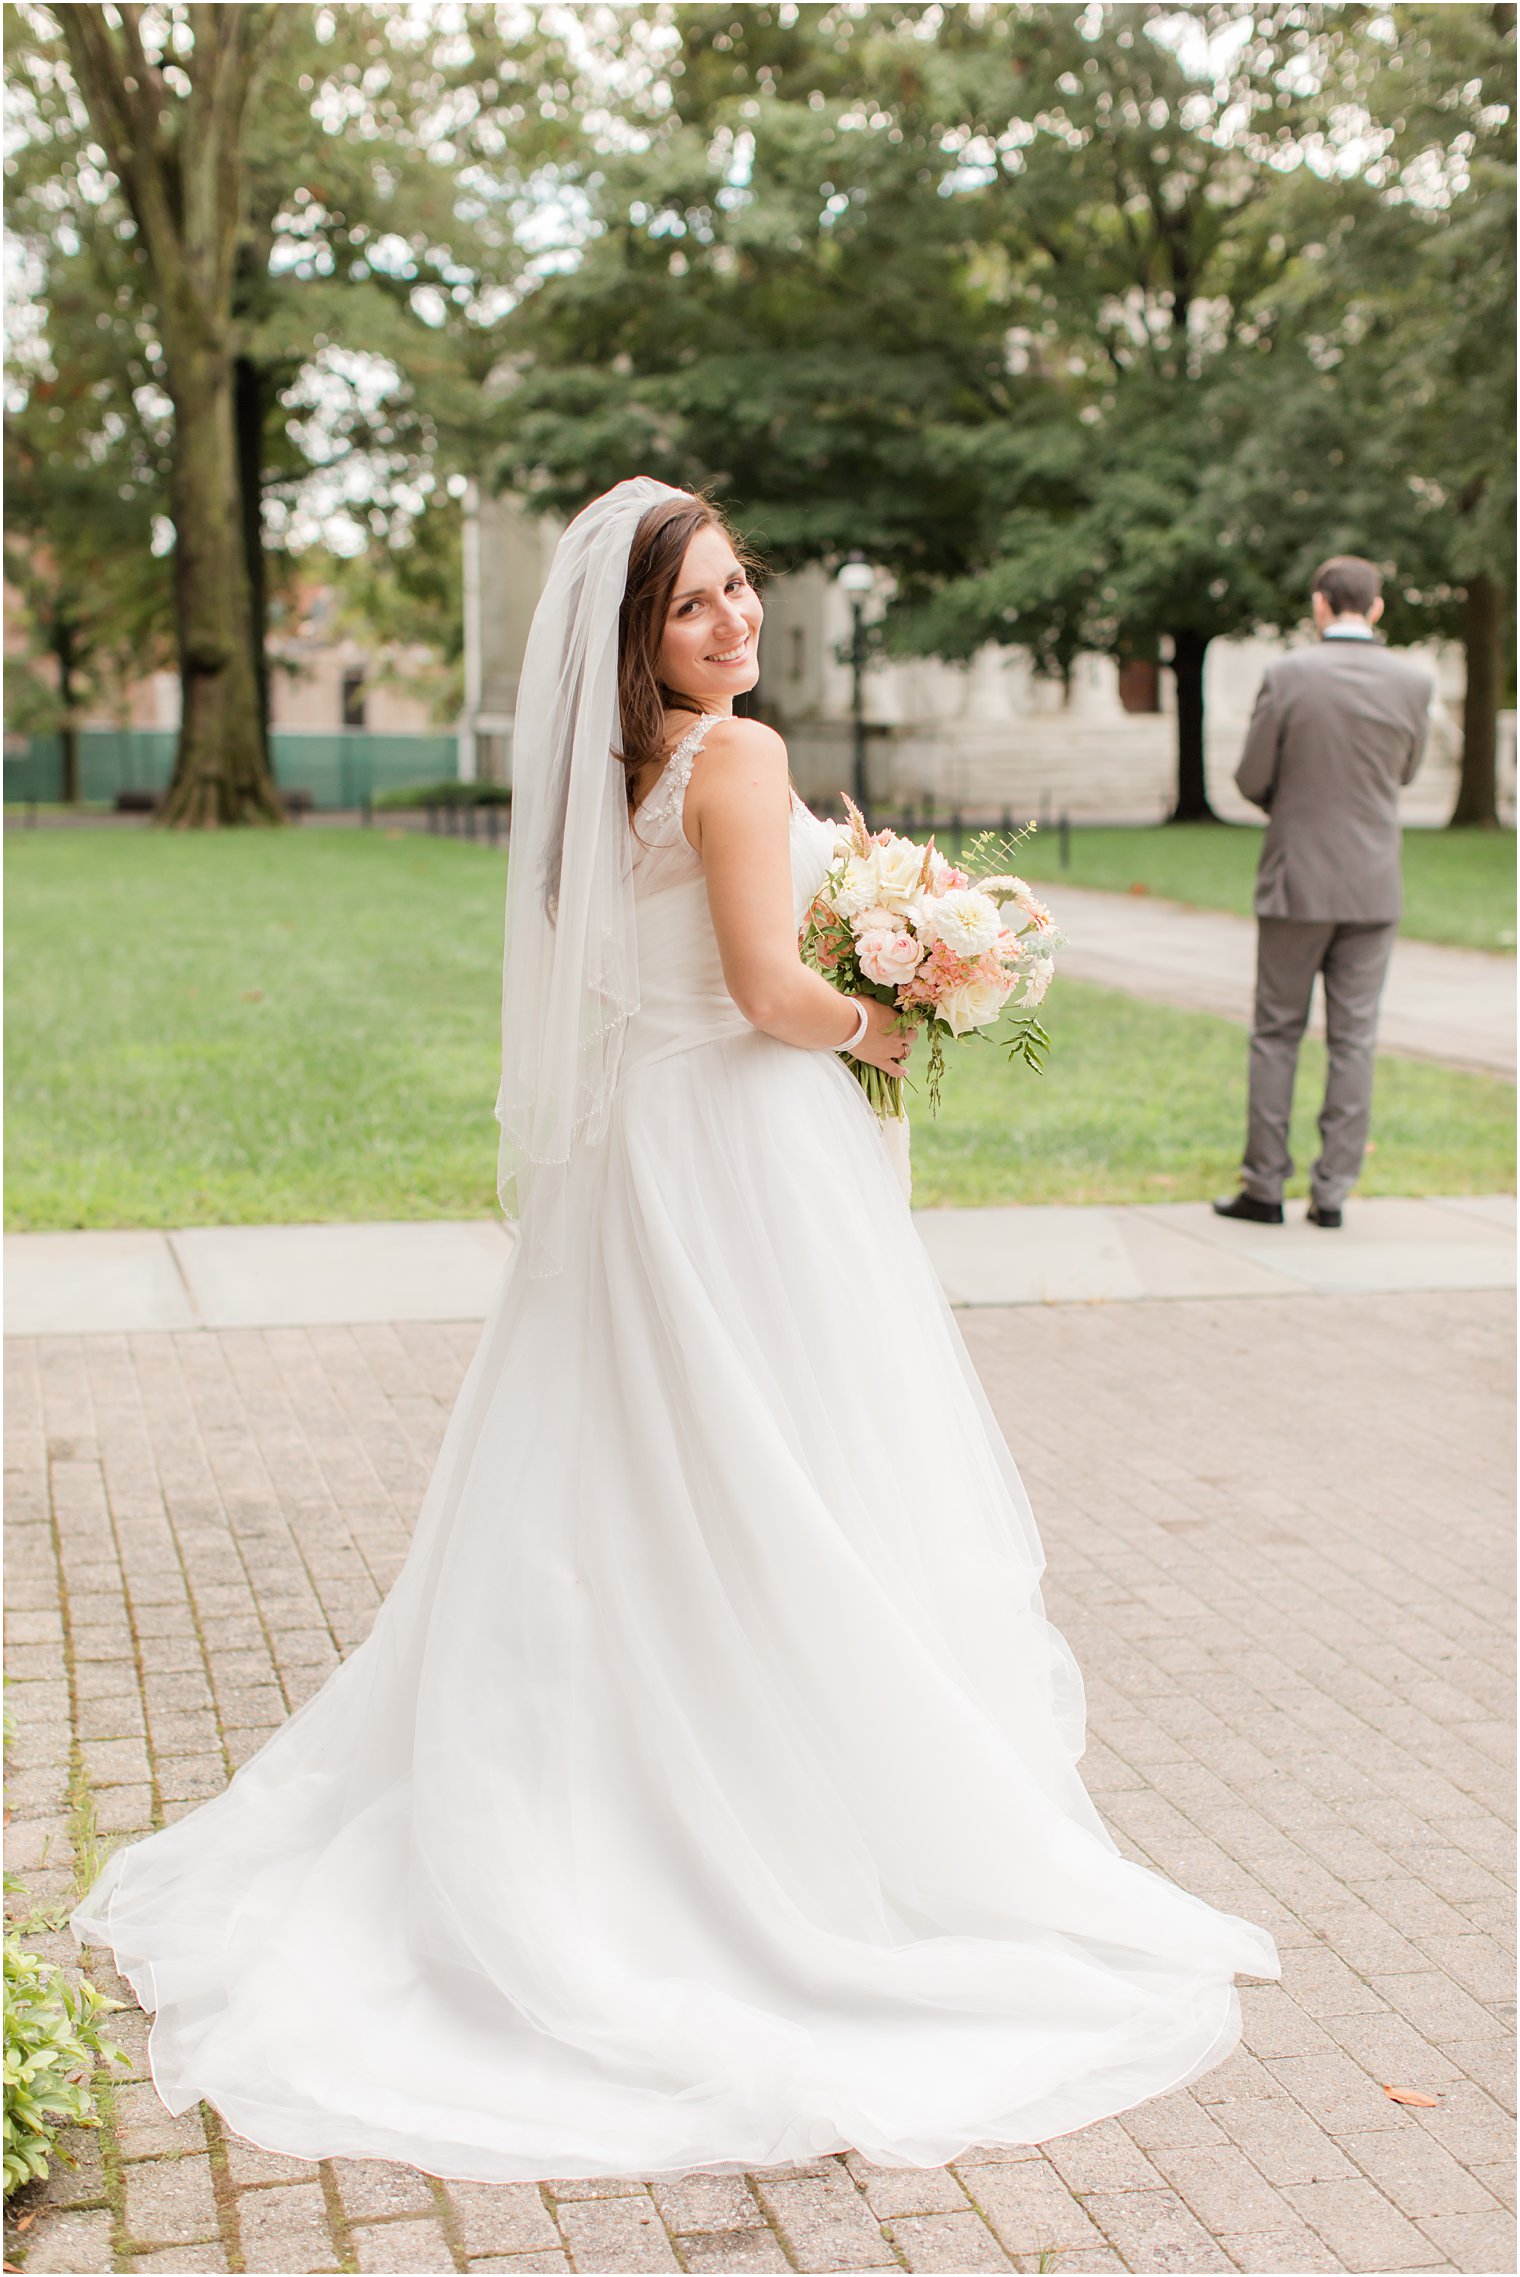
{"x": 339, "y": 767}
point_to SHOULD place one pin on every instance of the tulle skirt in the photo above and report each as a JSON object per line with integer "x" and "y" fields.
{"x": 705, "y": 1794}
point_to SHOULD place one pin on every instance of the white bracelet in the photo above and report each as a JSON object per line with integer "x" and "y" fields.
{"x": 862, "y": 1022}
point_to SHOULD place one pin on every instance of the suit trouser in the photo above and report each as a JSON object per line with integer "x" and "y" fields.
{"x": 1352, "y": 960}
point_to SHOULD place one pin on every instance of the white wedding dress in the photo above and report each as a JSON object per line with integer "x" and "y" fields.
{"x": 705, "y": 1794}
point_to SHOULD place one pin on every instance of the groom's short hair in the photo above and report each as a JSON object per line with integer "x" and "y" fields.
{"x": 1349, "y": 584}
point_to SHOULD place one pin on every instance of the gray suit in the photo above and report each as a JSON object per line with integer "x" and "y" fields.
{"x": 1337, "y": 730}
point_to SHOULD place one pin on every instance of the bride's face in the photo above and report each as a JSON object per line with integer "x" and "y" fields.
{"x": 710, "y": 647}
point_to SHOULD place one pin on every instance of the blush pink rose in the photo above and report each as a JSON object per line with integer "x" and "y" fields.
{"x": 889, "y": 958}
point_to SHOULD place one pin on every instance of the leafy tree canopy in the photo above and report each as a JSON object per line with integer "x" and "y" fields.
{"x": 1027, "y": 303}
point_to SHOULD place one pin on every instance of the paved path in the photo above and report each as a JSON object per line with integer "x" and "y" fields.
{"x": 1278, "y": 1537}
{"x": 305, "y": 1276}
{"x": 1455, "y": 1005}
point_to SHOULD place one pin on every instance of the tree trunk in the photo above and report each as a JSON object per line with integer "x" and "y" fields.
{"x": 178, "y": 150}
{"x": 1188, "y": 651}
{"x": 248, "y": 407}
{"x": 221, "y": 772}
{"x": 1482, "y": 634}
{"x": 68, "y": 728}
{"x": 68, "y": 744}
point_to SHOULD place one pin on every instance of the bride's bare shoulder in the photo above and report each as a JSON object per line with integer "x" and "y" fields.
{"x": 741, "y": 785}
{"x": 743, "y": 746}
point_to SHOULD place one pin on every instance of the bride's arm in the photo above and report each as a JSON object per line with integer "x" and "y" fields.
{"x": 738, "y": 816}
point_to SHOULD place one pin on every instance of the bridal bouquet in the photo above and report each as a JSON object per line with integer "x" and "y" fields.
{"x": 950, "y": 951}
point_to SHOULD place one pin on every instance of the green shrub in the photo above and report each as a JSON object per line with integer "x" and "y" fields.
{"x": 52, "y": 2045}
{"x": 450, "y": 792}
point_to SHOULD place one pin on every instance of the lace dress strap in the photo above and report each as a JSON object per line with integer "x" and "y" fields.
{"x": 669, "y": 792}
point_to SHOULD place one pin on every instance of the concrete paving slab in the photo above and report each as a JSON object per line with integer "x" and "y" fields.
{"x": 1369, "y": 1219}
{"x": 1053, "y": 1255}
{"x": 1169, "y": 1260}
{"x": 1387, "y": 1243}
{"x": 59, "y": 1283}
{"x": 1396, "y": 1266}
{"x": 1028, "y": 1256}
{"x": 1493, "y": 1209}
{"x": 1181, "y": 1249}
{"x": 306, "y": 1275}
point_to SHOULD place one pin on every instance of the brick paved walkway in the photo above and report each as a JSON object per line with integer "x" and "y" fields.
{"x": 1277, "y": 1538}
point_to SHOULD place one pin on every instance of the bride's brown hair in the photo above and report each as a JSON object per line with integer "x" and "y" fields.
{"x": 654, "y": 563}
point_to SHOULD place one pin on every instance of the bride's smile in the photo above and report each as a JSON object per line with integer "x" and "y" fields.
{"x": 710, "y": 645}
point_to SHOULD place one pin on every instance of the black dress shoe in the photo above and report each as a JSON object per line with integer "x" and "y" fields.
{"x": 1316, "y": 1215}
{"x": 1246, "y": 1206}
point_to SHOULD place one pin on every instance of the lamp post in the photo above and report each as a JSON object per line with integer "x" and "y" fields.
{"x": 468, "y": 732}
{"x": 856, "y": 580}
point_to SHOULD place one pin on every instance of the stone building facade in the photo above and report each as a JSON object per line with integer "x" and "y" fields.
{"x": 981, "y": 739}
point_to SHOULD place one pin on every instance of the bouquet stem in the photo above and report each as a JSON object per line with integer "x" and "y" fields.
{"x": 884, "y": 1091}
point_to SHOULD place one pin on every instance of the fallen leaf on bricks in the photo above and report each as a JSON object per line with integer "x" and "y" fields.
{"x": 1411, "y": 2095}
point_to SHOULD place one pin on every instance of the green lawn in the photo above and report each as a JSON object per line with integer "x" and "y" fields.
{"x": 250, "y": 1026}
{"x": 1459, "y": 885}
{"x": 1140, "y": 1103}
{"x": 286, "y": 1026}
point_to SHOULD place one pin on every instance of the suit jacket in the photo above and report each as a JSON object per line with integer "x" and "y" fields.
{"x": 1337, "y": 730}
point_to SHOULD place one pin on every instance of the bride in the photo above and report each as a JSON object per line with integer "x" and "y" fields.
{"x": 705, "y": 1794}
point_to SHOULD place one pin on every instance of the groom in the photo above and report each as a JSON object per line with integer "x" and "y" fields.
{"x": 1337, "y": 730}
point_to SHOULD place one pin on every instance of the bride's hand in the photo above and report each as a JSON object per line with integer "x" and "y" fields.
{"x": 888, "y": 1038}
